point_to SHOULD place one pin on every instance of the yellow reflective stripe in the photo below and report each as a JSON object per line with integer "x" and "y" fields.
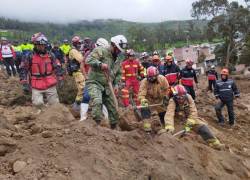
{"x": 126, "y": 66}
{"x": 147, "y": 125}
{"x": 135, "y": 66}
{"x": 168, "y": 126}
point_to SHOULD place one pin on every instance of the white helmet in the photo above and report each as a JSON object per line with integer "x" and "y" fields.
{"x": 102, "y": 42}
{"x": 120, "y": 42}
{"x": 213, "y": 67}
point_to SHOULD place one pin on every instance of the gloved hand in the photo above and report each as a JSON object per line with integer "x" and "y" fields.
{"x": 60, "y": 83}
{"x": 169, "y": 129}
{"x": 26, "y": 88}
{"x": 104, "y": 67}
{"x": 144, "y": 102}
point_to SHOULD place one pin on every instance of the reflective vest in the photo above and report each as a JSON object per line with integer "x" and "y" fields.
{"x": 42, "y": 76}
{"x": 171, "y": 73}
{"x": 131, "y": 68}
{"x": 7, "y": 51}
{"x": 65, "y": 48}
{"x": 188, "y": 76}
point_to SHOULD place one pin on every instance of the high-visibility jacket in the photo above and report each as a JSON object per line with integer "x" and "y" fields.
{"x": 7, "y": 51}
{"x": 131, "y": 69}
{"x": 188, "y": 76}
{"x": 212, "y": 75}
{"x": 65, "y": 48}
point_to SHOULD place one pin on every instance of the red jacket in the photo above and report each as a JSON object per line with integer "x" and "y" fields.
{"x": 42, "y": 69}
{"x": 131, "y": 69}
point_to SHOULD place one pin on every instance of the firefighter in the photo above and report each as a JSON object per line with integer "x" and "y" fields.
{"x": 131, "y": 69}
{"x": 154, "y": 90}
{"x": 45, "y": 71}
{"x": 171, "y": 71}
{"x": 225, "y": 90}
{"x": 212, "y": 76}
{"x": 182, "y": 106}
{"x": 188, "y": 77}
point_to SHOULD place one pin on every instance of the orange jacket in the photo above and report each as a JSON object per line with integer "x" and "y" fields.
{"x": 131, "y": 69}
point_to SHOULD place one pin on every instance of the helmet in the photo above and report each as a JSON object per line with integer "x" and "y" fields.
{"x": 102, "y": 42}
{"x": 155, "y": 53}
{"x": 39, "y": 38}
{"x": 152, "y": 73}
{"x": 179, "y": 93}
{"x": 169, "y": 59}
{"x": 130, "y": 52}
{"x": 155, "y": 58}
{"x": 88, "y": 44}
{"x": 76, "y": 39}
{"x": 144, "y": 54}
{"x": 120, "y": 42}
{"x": 65, "y": 41}
{"x": 213, "y": 67}
{"x": 189, "y": 62}
{"x": 224, "y": 71}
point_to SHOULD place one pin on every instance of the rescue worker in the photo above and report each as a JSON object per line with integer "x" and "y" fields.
{"x": 18, "y": 50}
{"x": 65, "y": 47}
{"x": 225, "y": 90}
{"x": 212, "y": 76}
{"x": 8, "y": 56}
{"x": 45, "y": 72}
{"x": 145, "y": 60}
{"x": 131, "y": 69}
{"x": 188, "y": 77}
{"x": 182, "y": 106}
{"x": 58, "y": 53}
{"x": 101, "y": 42}
{"x": 75, "y": 68}
{"x": 156, "y": 62}
{"x": 154, "y": 90}
{"x": 26, "y": 48}
{"x": 102, "y": 60}
{"x": 171, "y": 71}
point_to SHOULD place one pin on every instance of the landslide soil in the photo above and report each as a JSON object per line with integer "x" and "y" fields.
{"x": 56, "y": 146}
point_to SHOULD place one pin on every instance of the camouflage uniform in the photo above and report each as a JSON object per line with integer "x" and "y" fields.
{"x": 97, "y": 84}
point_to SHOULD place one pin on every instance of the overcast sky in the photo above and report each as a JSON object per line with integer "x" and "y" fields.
{"x": 72, "y": 10}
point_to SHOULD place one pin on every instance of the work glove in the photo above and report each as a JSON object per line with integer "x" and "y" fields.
{"x": 26, "y": 88}
{"x": 144, "y": 102}
{"x": 60, "y": 83}
{"x": 169, "y": 129}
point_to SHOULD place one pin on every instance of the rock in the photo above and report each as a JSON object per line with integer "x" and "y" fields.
{"x": 35, "y": 129}
{"x": 47, "y": 134}
{"x": 7, "y": 145}
{"x": 180, "y": 157}
{"x": 18, "y": 166}
{"x": 227, "y": 167}
{"x": 3, "y": 150}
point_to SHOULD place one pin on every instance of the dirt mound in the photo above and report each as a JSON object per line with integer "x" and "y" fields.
{"x": 50, "y": 144}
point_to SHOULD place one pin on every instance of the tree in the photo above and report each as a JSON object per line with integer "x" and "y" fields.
{"x": 229, "y": 20}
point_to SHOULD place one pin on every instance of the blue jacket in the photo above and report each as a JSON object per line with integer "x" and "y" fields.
{"x": 226, "y": 90}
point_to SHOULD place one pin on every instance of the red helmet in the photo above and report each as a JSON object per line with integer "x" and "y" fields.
{"x": 152, "y": 73}
{"x": 169, "y": 59}
{"x": 189, "y": 62}
{"x": 179, "y": 91}
{"x": 130, "y": 52}
{"x": 224, "y": 71}
{"x": 39, "y": 38}
{"x": 76, "y": 39}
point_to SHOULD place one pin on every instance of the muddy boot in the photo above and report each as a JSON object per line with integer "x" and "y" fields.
{"x": 84, "y": 110}
{"x": 147, "y": 126}
{"x": 215, "y": 143}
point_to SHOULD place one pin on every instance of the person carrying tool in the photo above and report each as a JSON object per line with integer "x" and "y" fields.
{"x": 212, "y": 76}
{"x": 154, "y": 90}
{"x": 131, "y": 69}
{"x": 171, "y": 71}
{"x": 75, "y": 69}
{"x": 102, "y": 61}
{"x": 45, "y": 72}
{"x": 188, "y": 77}
{"x": 8, "y": 56}
{"x": 183, "y": 107}
{"x": 225, "y": 91}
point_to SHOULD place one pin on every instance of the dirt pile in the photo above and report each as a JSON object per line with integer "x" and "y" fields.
{"x": 50, "y": 144}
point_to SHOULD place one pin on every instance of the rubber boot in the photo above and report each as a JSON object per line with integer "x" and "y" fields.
{"x": 215, "y": 143}
{"x": 147, "y": 126}
{"x": 105, "y": 112}
{"x": 84, "y": 110}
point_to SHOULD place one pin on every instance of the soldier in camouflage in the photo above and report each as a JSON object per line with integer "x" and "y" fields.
{"x": 103, "y": 60}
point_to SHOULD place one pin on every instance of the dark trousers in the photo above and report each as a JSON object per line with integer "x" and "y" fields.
{"x": 190, "y": 90}
{"x": 230, "y": 110}
{"x": 211, "y": 84}
{"x": 10, "y": 66}
{"x": 161, "y": 116}
{"x": 18, "y": 62}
